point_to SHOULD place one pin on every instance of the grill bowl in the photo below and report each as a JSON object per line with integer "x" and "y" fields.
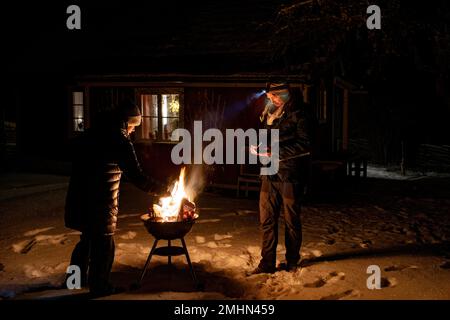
{"x": 167, "y": 230}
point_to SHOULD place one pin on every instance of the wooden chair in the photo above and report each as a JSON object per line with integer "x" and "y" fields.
{"x": 250, "y": 180}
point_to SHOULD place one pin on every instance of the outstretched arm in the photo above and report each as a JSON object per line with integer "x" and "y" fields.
{"x": 130, "y": 165}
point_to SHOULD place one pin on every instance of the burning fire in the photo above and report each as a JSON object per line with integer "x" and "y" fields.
{"x": 178, "y": 206}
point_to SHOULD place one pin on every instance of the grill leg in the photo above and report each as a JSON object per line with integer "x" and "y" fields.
{"x": 148, "y": 261}
{"x": 194, "y": 277}
{"x": 169, "y": 258}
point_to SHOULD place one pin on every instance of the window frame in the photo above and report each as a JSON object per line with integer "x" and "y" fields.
{"x": 85, "y": 107}
{"x": 159, "y": 92}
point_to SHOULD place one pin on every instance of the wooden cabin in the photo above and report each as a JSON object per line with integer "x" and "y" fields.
{"x": 193, "y": 63}
{"x": 235, "y": 101}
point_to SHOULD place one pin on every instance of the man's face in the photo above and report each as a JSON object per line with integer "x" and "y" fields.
{"x": 276, "y": 98}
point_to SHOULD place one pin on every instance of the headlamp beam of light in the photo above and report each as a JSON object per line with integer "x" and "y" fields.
{"x": 259, "y": 94}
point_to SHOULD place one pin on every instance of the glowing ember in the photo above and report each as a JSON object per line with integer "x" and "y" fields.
{"x": 177, "y": 206}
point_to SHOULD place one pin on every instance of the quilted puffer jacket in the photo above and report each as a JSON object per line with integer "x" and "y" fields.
{"x": 99, "y": 158}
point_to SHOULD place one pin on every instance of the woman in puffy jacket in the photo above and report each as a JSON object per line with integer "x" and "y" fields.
{"x": 100, "y": 155}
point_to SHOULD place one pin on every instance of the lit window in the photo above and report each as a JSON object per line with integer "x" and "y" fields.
{"x": 170, "y": 115}
{"x": 149, "y": 126}
{"x": 78, "y": 111}
{"x": 160, "y": 116}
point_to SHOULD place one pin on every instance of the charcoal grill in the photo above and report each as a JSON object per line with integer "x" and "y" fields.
{"x": 168, "y": 231}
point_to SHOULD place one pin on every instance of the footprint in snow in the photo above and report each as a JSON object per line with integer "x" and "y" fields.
{"x": 34, "y": 232}
{"x": 220, "y": 237}
{"x": 329, "y": 278}
{"x": 399, "y": 268}
{"x": 365, "y": 243}
{"x": 200, "y": 239}
{"x": 388, "y": 282}
{"x": 24, "y": 247}
{"x": 316, "y": 253}
{"x": 340, "y": 295}
{"x": 130, "y": 235}
{"x": 214, "y": 245}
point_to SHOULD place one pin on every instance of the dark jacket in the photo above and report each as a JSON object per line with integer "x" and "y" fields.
{"x": 99, "y": 157}
{"x": 294, "y": 143}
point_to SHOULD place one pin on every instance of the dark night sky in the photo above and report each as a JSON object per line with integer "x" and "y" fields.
{"x": 38, "y": 40}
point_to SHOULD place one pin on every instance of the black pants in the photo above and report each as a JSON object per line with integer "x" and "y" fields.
{"x": 275, "y": 197}
{"x": 94, "y": 254}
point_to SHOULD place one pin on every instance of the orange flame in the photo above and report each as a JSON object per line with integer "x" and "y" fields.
{"x": 169, "y": 207}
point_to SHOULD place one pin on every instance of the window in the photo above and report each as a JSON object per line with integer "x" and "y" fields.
{"x": 160, "y": 116}
{"x": 78, "y": 111}
{"x": 149, "y": 109}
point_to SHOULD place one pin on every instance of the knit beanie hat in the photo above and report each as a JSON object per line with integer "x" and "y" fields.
{"x": 129, "y": 112}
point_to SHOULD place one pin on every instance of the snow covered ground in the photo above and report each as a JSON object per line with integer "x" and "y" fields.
{"x": 401, "y": 226}
{"x": 392, "y": 174}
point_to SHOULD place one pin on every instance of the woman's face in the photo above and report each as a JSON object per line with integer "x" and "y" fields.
{"x": 130, "y": 129}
